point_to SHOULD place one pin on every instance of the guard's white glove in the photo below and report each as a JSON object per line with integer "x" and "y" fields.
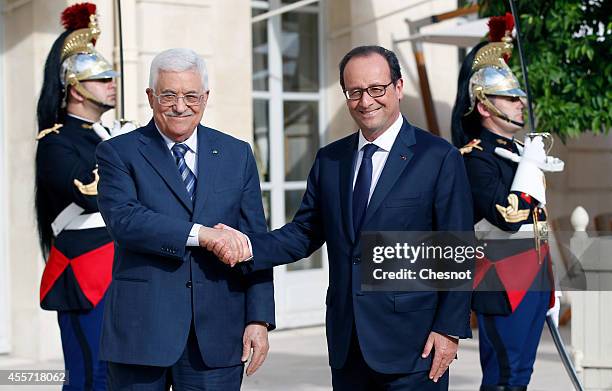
{"x": 117, "y": 129}
{"x": 554, "y": 311}
{"x": 551, "y": 164}
{"x": 534, "y": 149}
{"x": 529, "y": 178}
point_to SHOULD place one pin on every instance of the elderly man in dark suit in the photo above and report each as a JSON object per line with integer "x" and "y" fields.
{"x": 388, "y": 176}
{"x": 174, "y": 315}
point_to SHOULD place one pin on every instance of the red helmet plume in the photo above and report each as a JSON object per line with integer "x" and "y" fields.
{"x": 498, "y": 25}
{"x": 77, "y": 16}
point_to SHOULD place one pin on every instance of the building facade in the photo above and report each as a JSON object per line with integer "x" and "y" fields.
{"x": 273, "y": 72}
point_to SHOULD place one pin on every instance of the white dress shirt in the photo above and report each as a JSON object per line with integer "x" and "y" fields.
{"x": 191, "y": 156}
{"x": 191, "y": 159}
{"x": 384, "y": 142}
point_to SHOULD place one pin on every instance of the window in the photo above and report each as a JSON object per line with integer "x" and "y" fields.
{"x": 286, "y": 108}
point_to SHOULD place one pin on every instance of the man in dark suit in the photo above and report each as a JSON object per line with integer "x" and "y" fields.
{"x": 173, "y": 314}
{"x": 388, "y": 176}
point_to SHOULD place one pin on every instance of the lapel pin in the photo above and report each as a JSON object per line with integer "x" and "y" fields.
{"x": 215, "y": 152}
{"x": 403, "y": 157}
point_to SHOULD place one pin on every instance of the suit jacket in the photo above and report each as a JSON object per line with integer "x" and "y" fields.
{"x": 160, "y": 286}
{"x": 422, "y": 187}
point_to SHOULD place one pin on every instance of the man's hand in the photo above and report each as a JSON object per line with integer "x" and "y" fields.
{"x": 445, "y": 351}
{"x": 228, "y": 245}
{"x": 554, "y": 311}
{"x": 550, "y": 164}
{"x": 534, "y": 150}
{"x": 255, "y": 338}
{"x": 246, "y": 250}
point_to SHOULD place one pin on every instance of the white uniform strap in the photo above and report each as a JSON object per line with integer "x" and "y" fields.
{"x": 71, "y": 218}
{"x": 486, "y": 230}
{"x": 100, "y": 131}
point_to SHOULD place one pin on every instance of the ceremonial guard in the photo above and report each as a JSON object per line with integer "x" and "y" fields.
{"x": 508, "y": 191}
{"x": 78, "y": 88}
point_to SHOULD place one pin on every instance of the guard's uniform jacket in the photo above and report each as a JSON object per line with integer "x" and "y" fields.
{"x": 79, "y": 266}
{"x": 509, "y": 271}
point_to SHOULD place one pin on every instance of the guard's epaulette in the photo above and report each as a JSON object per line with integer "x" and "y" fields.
{"x": 89, "y": 189}
{"x": 467, "y": 148}
{"x": 53, "y": 129}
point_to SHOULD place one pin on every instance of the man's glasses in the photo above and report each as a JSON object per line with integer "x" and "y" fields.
{"x": 373, "y": 91}
{"x": 172, "y": 99}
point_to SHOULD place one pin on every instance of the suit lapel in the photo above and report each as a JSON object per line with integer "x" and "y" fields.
{"x": 347, "y": 170}
{"x": 159, "y": 156}
{"x": 397, "y": 161}
{"x": 208, "y": 160}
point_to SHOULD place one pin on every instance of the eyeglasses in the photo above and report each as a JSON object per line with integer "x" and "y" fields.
{"x": 373, "y": 91}
{"x": 172, "y": 99}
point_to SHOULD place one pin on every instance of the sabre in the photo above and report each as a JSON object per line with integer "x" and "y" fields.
{"x": 565, "y": 359}
{"x": 519, "y": 45}
{"x": 121, "y": 84}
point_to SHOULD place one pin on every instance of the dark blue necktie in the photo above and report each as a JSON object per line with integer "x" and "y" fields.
{"x": 361, "y": 192}
{"x": 179, "y": 151}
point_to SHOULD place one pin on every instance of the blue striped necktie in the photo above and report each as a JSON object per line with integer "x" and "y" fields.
{"x": 179, "y": 151}
{"x": 361, "y": 192}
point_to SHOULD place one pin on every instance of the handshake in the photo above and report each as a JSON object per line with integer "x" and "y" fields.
{"x": 229, "y": 245}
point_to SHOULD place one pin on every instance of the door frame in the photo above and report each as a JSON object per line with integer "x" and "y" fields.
{"x": 5, "y": 303}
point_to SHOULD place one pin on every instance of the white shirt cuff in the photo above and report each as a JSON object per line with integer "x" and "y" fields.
{"x": 250, "y": 249}
{"x": 193, "y": 239}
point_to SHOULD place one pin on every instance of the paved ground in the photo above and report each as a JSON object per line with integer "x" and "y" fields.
{"x": 298, "y": 362}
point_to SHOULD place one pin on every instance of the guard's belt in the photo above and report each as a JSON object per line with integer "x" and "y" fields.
{"x": 71, "y": 218}
{"x": 486, "y": 230}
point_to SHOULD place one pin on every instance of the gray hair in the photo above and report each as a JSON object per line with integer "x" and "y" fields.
{"x": 178, "y": 60}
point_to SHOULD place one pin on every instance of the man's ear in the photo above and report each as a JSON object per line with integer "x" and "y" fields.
{"x": 482, "y": 110}
{"x": 150, "y": 97}
{"x": 205, "y": 99}
{"x": 74, "y": 95}
{"x": 399, "y": 88}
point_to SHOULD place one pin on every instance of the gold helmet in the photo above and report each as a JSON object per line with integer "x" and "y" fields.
{"x": 80, "y": 60}
{"x": 492, "y": 76}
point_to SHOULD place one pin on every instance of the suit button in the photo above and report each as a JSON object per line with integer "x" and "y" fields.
{"x": 356, "y": 261}
{"x": 188, "y": 284}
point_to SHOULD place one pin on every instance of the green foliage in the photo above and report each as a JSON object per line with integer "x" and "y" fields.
{"x": 568, "y": 47}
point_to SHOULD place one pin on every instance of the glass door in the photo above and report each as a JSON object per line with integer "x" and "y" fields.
{"x": 287, "y": 130}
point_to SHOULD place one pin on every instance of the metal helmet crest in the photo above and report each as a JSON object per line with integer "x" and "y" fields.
{"x": 80, "y": 61}
{"x": 492, "y": 76}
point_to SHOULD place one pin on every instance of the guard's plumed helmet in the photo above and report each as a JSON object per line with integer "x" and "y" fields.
{"x": 490, "y": 73}
{"x": 80, "y": 60}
